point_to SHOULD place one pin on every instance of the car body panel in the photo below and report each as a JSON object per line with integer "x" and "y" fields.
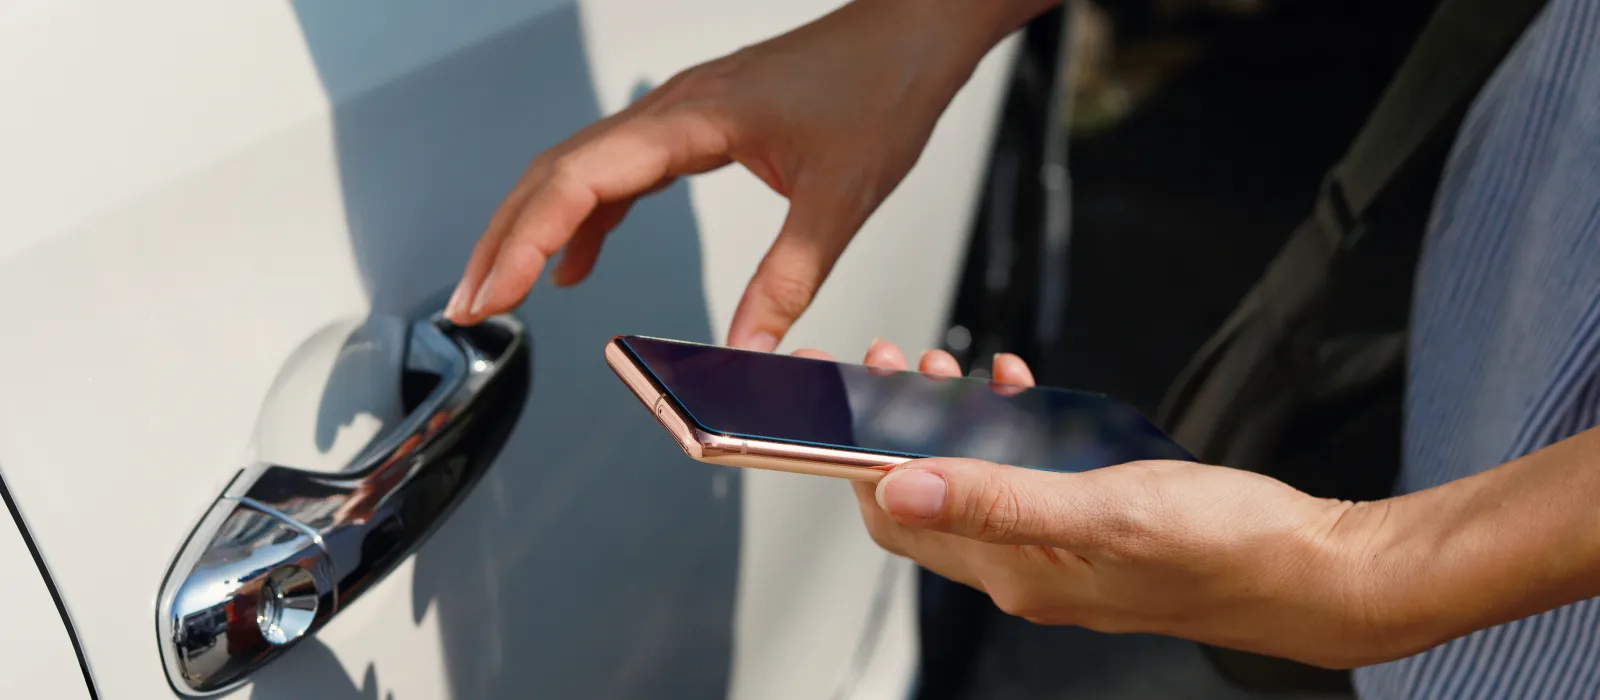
{"x": 194, "y": 189}
{"x": 36, "y": 647}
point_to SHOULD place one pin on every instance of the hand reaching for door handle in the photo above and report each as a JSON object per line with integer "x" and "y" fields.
{"x": 831, "y": 115}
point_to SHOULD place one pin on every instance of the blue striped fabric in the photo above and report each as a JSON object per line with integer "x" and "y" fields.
{"x": 1506, "y": 348}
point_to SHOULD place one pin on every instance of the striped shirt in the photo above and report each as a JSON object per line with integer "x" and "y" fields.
{"x": 1505, "y": 354}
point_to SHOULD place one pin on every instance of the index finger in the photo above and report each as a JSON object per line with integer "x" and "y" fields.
{"x": 619, "y": 163}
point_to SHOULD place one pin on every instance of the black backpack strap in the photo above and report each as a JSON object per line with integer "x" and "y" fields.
{"x": 1453, "y": 57}
{"x": 1418, "y": 113}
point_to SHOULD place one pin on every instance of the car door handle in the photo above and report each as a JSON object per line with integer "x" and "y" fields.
{"x": 282, "y": 550}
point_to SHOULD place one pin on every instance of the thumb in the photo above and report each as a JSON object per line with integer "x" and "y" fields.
{"x": 985, "y": 501}
{"x": 813, "y": 237}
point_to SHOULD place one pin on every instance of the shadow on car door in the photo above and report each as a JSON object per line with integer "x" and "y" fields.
{"x": 594, "y": 560}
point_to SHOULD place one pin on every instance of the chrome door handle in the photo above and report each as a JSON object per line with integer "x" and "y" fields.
{"x": 282, "y": 550}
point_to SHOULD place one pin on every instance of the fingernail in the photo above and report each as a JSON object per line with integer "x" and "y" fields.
{"x": 452, "y": 309}
{"x": 914, "y": 493}
{"x": 484, "y": 290}
{"x": 761, "y": 342}
{"x": 872, "y": 349}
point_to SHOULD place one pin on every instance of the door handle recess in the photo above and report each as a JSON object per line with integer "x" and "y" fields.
{"x": 282, "y": 550}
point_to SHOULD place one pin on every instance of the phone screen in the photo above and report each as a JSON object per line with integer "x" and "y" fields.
{"x": 854, "y": 407}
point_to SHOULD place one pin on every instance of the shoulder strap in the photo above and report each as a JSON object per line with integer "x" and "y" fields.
{"x": 1453, "y": 57}
{"x": 1420, "y": 109}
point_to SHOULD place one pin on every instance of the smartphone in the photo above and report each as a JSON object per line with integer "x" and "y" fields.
{"x": 792, "y": 414}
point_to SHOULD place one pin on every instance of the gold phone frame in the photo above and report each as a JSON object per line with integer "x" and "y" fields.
{"x": 751, "y": 453}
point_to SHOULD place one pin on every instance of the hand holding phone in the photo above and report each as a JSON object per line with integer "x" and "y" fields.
{"x": 1207, "y": 553}
{"x": 814, "y": 416}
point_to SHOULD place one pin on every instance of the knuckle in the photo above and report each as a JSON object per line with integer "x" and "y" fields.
{"x": 538, "y": 168}
{"x": 706, "y": 124}
{"x": 565, "y": 185}
{"x": 562, "y": 170}
{"x": 705, "y": 81}
{"x": 995, "y": 510}
{"x": 699, "y": 83}
{"x": 788, "y": 292}
{"x": 675, "y": 85}
{"x": 1133, "y": 521}
{"x": 722, "y": 73}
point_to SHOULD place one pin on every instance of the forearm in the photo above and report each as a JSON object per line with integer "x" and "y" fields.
{"x": 1513, "y": 541}
{"x": 965, "y": 28}
{"x": 991, "y": 20}
{"x": 929, "y": 48}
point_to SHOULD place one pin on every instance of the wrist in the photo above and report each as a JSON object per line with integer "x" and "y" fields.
{"x": 1504, "y": 544}
{"x": 1374, "y": 557}
{"x": 987, "y": 22}
{"x": 967, "y": 29}
{"x": 1329, "y": 606}
{"x": 1440, "y": 563}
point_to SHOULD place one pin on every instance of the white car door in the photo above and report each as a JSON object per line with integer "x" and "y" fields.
{"x": 204, "y": 200}
{"x": 37, "y": 652}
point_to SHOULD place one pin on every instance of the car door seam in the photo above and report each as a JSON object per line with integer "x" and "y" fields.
{"x": 872, "y": 636}
{"x": 50, "y": 585}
